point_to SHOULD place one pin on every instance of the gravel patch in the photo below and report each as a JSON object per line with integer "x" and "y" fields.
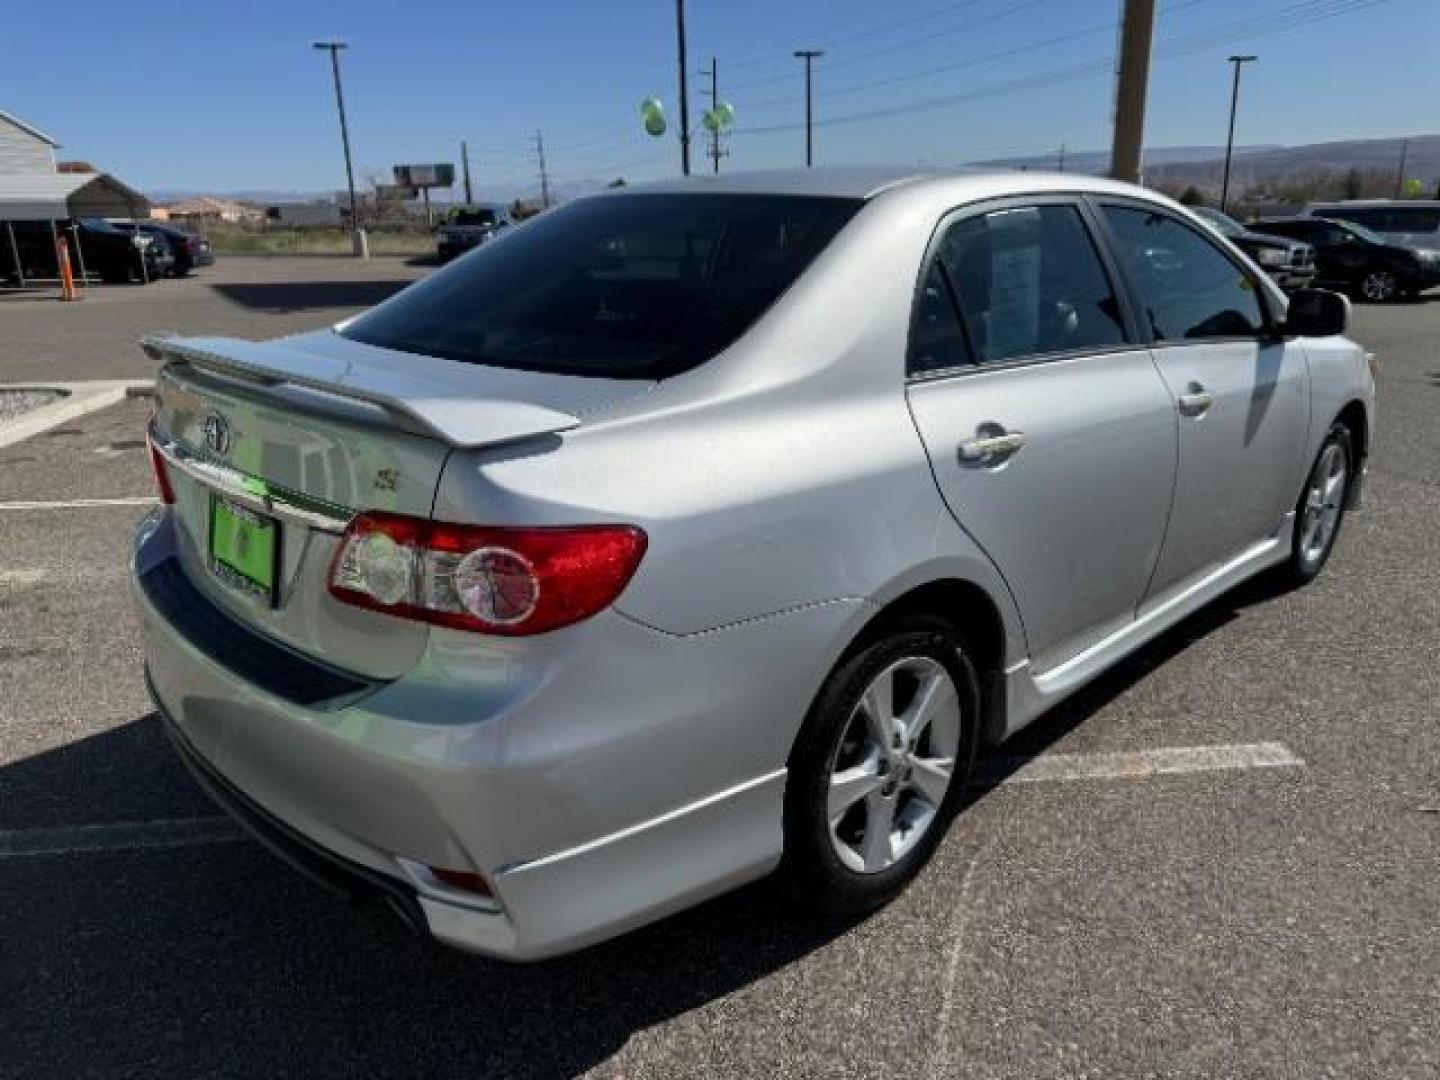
{"x": 13, "y": 403}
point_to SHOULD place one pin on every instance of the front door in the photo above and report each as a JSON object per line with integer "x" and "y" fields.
{"x": 1051, "y": 434}
{"x": 1241, "y": 394}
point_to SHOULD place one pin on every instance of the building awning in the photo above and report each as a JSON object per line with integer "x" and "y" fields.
{"x": 62, "y": 196}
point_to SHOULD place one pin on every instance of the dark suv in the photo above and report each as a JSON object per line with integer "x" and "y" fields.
{"x": 1351, "y": 257}
{"x": 190, "y": 251}
{"x": 112, "y": 254}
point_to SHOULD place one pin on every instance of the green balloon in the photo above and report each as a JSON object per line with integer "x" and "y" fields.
{"x": 651, "y": 107}
{"x": 655, "y": 124}
{"x": 724, "y": 114}
{"x": 711, "y": 120}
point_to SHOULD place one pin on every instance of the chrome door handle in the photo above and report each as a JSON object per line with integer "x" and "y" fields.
{"x": 990, "y": 447}
{"x": 1196, "y": 400}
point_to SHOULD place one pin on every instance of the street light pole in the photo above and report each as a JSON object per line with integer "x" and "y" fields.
{"x": 684, "y": 88}
{"x": 359, "y": 245}
{"x": 1237, "y": 61}
{"x": 809, "y": 55}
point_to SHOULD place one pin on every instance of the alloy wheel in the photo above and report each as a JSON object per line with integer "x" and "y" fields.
{"x": 1379, "y": 286}
{"x": 893, "y": 764}
{"x": 1323, "y": 503}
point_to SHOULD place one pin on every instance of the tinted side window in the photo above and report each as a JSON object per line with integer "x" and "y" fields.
{"x": 937, "y": 341}
{"x": 1029, "y": 282}
{"x": 1371, "y": 217}
{"x": 1411, "y": 219}
{"x": 1188, "y": 288}
{"x": 1296, "y": 230}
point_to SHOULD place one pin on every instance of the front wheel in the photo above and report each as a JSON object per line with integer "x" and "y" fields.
{"x": 1380, "y": 286}
{"x": 1321, "y": 509}
{"x": 879, "y": 768}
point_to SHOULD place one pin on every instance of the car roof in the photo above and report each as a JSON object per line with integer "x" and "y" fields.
{"x": 869, "y": 181}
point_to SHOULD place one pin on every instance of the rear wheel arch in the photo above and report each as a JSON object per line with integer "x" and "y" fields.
{"x": 975, "y": 619}
{"x": 1353, "y": 417}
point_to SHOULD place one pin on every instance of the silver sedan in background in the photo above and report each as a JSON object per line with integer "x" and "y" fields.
{"x": 708, "y": 529}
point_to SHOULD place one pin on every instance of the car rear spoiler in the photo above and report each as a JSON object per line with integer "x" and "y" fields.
{"x": 439, "y": 407}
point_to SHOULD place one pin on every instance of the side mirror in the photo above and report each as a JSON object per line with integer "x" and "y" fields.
{"x": 1317, "y": 313}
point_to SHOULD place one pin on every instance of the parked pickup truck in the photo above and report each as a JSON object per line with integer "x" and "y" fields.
{"x": 1290, "y": 263}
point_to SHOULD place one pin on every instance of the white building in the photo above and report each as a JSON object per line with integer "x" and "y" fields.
{"x": 24, "y": 149}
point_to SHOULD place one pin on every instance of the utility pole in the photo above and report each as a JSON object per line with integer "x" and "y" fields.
{"x": 357, "y": 234}
{"x": 1137, "y": 32}
{"x": 1238, "y": 62}
{"x": 809, "y": 56}
{"x": 465, "y": 168}
{"x": 713, "y": 71}
{"x": 544, "y": 176}
{"x": 1400, "y": 172}
{"x": 1060, "y": 159}
{"x": 684, "y": 89}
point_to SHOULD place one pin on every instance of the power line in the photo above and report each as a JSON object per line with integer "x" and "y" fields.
{"x": 909, "y": 43}
{"x": 1293, "y": 17}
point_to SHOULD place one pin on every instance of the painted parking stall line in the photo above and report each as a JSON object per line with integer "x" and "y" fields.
{"x": 80, "y": 504}
{"x": 1136, "y": 764}
{"x": 1047, "y": 768}
{"x": 123, "y": 836}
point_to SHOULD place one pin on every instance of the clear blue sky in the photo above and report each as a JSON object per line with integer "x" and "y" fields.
{"x": 224, "y": 96}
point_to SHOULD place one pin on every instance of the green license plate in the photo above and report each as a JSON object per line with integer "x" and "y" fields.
{"x": 243, "y": 548}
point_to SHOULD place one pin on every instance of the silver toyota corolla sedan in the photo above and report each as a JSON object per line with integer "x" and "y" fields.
{"x": 708, "y": 529}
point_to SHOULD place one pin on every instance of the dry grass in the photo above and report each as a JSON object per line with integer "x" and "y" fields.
{"x": 230, "y": 241}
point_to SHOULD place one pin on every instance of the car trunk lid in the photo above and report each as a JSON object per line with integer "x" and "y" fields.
{"x": 303, "y": 433}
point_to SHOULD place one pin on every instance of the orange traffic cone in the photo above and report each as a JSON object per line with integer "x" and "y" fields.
{"x": 68, "y": 289}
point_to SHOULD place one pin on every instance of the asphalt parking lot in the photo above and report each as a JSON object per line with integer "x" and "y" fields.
{"x": 1270, "y": 922}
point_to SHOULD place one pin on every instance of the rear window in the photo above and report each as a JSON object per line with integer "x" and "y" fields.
{"x": 623, "y": 286}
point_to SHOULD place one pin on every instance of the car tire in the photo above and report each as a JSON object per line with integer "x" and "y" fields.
{"x": 1379, "y": 285}
{"x": 862, "y": 819}
{"x": 1321, "y": 509}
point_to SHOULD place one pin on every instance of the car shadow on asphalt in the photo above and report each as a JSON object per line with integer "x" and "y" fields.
{"x": 295, "y": 296}
{"x": 1052, "y": 726}
{"x": 218, "y": 959}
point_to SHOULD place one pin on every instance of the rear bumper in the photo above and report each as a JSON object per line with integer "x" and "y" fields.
{"x": 598, "y": 778}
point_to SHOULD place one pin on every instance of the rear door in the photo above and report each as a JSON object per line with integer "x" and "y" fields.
{"x": 1241, "y": 393}
{"x": 1049, "y": 431}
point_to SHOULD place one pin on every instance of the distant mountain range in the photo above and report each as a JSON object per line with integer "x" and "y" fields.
{"x": 1203, "y": 165}
{"x": 1164, "y": 166}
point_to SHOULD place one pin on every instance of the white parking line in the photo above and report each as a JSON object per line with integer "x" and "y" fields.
{"x": 1130, "y": 765}
{"x": 22, "y": 577}
{"x": 77, "y": 839}
{"x": 79, "y": 504}
{"x": 1136, "y": 764}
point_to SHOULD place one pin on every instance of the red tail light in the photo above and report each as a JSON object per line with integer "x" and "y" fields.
{"x": 162, "y": 473}
{"x": 510, "y": 581}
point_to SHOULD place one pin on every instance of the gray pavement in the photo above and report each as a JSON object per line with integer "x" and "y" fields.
{"x": 1280, "y": 922}
{"x": 252, "y": 296}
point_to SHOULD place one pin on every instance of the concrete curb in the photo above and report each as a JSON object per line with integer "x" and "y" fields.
{"x": 81, "y": 399}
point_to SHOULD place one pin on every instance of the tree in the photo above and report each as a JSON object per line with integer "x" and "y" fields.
{"x": 1192, "y": 196}
{"x": 619, "y": 181}
{"x": 1353, "y": 185}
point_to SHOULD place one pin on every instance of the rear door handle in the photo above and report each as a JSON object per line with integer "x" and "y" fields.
{"x": 1196, "y": 400}
{"x": 990, "y": 448}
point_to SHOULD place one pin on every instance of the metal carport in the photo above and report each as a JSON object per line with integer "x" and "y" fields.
{"x": 56, "y": 197}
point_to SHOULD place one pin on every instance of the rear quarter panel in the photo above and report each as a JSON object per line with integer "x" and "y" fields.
{"x": 784, "y": 473}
